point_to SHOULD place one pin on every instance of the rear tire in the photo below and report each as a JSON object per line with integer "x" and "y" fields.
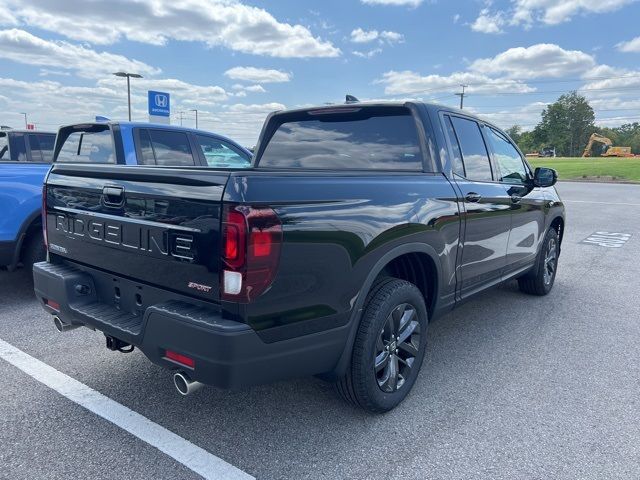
{"x": 33, "y": 251}
{"x": 389, "y": 347}
{"x": 539, "y": 280}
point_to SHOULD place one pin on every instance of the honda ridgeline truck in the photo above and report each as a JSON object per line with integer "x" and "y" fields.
{"x": 354, "y": 227}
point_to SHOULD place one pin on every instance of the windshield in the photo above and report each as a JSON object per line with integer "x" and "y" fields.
{"x": 381, "y": 139}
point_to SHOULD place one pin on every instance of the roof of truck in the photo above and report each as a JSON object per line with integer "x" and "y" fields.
{"x": 22, "y": 130}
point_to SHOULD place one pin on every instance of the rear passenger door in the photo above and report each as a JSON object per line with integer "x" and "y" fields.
{"x": 527, "y": 202}
{"x": 487, "y": 206}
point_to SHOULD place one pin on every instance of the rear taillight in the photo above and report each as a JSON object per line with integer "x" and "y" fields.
{"x": 44, "y": 217}
{"x": 251, "y": 240}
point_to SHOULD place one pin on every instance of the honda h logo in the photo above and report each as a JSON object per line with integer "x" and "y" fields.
{"x": 159, "y": 104}
{"x": 161, "y": 100}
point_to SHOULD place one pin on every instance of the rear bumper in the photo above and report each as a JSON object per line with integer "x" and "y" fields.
{"x": 227, "y": 354}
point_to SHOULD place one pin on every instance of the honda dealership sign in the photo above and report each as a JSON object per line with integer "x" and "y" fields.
{"x": 159, "y": 107}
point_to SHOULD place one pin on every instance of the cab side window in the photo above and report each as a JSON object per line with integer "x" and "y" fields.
{"x": 18, "y": 147}
{"x": 165, "y": 147}
{"x": 474, "y": 152}
{"x": 509, "y": 161}
{"x": 220, "y": 154}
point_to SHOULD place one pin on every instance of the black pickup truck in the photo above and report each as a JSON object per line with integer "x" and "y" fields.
{"x": 355, "y": 226}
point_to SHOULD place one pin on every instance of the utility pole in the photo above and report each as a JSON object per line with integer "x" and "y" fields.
{"x": 195, "y": 110}
{"x": 461, "y": 95}
{"x": 181, "y": 112}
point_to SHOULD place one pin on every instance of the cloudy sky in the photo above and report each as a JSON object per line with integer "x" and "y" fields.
{"x": 236, "y": 61}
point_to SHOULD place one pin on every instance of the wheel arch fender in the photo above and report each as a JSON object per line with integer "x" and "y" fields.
{"x": 31, "y": 222}
{"x": 379, "y": 266}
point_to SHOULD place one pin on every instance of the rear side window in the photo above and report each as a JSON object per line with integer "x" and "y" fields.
{"x": 509, "y": 162}
{"x": 146, "y": 150}
{"x": 41, "y": 147}
{"x": 363, "y": 138}
{"x": 456, "y": 161}
{"x": 92, "y": 146}
{"x": 474, "y": 151}
{"x": 164, "y": 147}
{"x": 220, "y": 154}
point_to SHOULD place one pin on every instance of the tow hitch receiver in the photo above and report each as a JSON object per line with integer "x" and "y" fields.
{"x": 118, "y": 345}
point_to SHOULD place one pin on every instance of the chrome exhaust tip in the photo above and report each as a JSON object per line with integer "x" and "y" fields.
{"x": 63, "y": 327}
{"x": 184, "y": 384}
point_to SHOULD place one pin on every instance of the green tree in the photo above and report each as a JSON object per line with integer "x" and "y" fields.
{"x": 514, "y": 132}
{"x": 566, "y": 125}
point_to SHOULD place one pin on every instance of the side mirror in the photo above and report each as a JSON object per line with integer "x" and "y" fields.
{"x": 545, "y": 177}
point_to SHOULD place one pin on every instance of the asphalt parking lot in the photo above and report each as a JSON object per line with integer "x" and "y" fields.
{"x": 513, "y": 386}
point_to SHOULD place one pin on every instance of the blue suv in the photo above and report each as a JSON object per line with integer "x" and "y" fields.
{"x": 25, "y": 158}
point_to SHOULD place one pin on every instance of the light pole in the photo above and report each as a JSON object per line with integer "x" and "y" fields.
{"x": 128, "y": 75}
{"x": 195, "y": 110}
{"x": 25, "y": 119}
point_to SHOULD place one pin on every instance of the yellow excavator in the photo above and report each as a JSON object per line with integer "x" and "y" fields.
{"x": 609, "y": 149}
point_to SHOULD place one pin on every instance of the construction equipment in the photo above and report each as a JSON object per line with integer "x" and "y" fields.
{"x": 609, "y": 149}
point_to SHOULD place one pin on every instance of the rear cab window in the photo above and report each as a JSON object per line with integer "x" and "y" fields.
{"x": 359, "y": 138}
{"x": 85, "y": 144}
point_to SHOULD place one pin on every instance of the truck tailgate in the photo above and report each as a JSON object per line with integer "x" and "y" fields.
{"x": 158, "y": 226}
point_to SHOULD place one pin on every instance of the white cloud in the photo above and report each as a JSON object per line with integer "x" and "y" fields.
{"x": 367, "y": 54}
{"x": 362, "y": 36}
{"x": 51, "y": 103}
{"x": 181, "y": 92}
{"x": 391, "y": 37}
{"x": 488, "y": 22}
{"x": 365, "y": 36}
{"x": 553, "y": 12}
{"x": 258, "y": 75}
{"x": 526, "y": 116}
{"x": 411, "y": 83}
{"x": 630, "y": 46}
{"x": 456, "y": 18}
{"x": 541, "y": 60}
{"x": 23, "y": 47}
{"x": 407, "y": 3}
{"x": 226, "y": 23}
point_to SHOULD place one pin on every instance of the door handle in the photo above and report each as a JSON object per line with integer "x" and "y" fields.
{"x": 473, "y": 197}
{"x": 113, "y": 196}
{"x": 515, "y": 198}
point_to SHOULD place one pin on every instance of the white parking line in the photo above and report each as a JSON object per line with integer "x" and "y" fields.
{"x": 603, "y": 203}
{"x": 191, "y": 456}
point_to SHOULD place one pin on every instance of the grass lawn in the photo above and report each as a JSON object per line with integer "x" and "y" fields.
{"x": 609, "y": 169}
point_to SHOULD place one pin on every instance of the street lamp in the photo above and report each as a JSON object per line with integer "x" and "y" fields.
{"x": 128, "y": 75}
{"x": 195, "y": 110}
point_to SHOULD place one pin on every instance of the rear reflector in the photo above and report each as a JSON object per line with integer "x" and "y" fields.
{"x": 53, "y": 305}
{"x": 179, "y": 358}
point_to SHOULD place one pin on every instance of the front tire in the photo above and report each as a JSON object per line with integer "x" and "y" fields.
{"x": 389, "y": 347}
{"x": 539, "y": 281}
